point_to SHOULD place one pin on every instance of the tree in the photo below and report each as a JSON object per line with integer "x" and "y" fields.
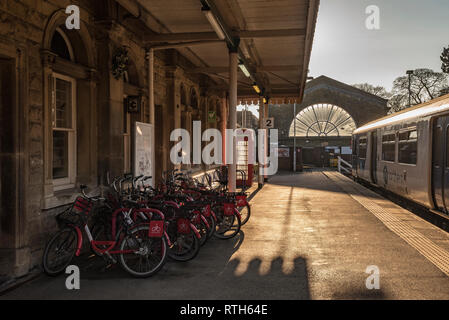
{"x": 445, "y": 67}
{"x": 376, "y": 90}
{"x": 445, "y": 60}
{"x": 425, "y": 85}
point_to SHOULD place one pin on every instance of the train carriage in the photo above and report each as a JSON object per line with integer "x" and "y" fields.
{"x": 407, "y": 153}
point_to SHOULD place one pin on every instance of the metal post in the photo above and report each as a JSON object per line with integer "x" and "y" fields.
{"x": 233, "y": 65}
{"x": 261, "y": 111}
{"x": 151, "y": 105}
{"x": 267, "y": 148}
{"x": 294, "y": 136}
{"x": 409, "y": 72}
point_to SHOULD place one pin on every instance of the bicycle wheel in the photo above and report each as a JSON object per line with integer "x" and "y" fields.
{"x": 212, "y": 225}
{"x": 203, "y": 230}
{"x": 148, "y": 256}
{"x": 245, "y": 213}
{"x": 227, "y": 227}
{"x": 185, "y": 247}
{"x": 60, "y": 251}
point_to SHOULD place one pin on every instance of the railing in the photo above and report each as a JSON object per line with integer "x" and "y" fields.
{"x": 344, "y": 166}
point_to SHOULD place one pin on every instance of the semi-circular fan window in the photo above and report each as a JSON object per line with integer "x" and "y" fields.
{"x": 323, "y": 120}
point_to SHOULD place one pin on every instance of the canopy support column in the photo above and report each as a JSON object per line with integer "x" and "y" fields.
{"x": 151, "y": 107}
{"x": 233, "y": 66}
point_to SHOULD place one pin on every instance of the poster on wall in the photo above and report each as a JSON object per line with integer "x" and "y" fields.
{"x": 143, "y": 150}
{"x": 283, "y": 152}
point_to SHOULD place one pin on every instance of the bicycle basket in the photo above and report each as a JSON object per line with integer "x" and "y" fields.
{"x": 74, "y": 214}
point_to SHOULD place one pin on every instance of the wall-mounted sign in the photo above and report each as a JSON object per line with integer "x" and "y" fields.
{"x": 143, "y": 150}
{"x": 211, "y": 116}
{"x": 269, "y": 123}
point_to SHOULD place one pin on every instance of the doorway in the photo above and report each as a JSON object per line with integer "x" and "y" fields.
{"x": 440, "y": 163}
{"x": 8, "y": 162}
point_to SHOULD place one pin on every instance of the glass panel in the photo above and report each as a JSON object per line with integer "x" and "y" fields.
{"x": 362, "y": 147}
{"x": 437, "y": 141}
{"x": 408, "y": 152}
{"x": 408, "y": 147}
{"x": 322, "y": 120}
{"x": 63, "y": 107}
{"x": 389, "y": 147}
{"x": 60, "y": 154}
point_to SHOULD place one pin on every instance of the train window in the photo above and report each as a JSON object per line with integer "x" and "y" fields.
{"x": 362, "y": 147}
{"x": 389, "y": 147}
{"x": 408, "y": 146}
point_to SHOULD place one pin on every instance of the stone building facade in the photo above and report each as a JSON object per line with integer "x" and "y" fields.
{"x": 62, "y": 117}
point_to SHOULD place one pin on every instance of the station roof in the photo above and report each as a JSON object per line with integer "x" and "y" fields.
{"x": 275, "y": 39}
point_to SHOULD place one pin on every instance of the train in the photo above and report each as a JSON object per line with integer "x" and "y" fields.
{"x": 407, "y": 153}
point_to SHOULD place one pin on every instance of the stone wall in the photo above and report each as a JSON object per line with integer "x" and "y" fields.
{"x": 26, "y": 28}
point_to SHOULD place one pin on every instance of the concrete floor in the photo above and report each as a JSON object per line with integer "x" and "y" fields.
{"x": 307, "y": 239}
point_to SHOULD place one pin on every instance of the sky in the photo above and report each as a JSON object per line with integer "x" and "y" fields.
{"x": 412, "y": 35}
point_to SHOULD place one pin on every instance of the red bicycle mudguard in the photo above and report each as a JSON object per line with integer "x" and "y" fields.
{"x": 168, "y": 239}
{"x": 80, "y": 240}
{"x": 205, "y": 221}
{"x": 195, "y": 230}
{"x": 213, "y": 215}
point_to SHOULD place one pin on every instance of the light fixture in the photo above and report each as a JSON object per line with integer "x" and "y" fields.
{"x": 214, "y": 23}
{"x": 265, "y": 100}
{"x": 256, "y": 87}
{"x": 244, "y": 70}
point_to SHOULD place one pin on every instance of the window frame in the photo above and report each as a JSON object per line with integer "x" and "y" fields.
{"x": 365, "y": 138}
{"x": 69, "y": 181}
{"x": 409, "y": 129}
{"x": 67, "y": 42}
{"x": 388, "y": 133}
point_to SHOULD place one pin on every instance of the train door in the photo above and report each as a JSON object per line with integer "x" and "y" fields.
{"x": 374, "y": 157}
{"x": 445, "y": 150}
{"x": 438, "y": 161}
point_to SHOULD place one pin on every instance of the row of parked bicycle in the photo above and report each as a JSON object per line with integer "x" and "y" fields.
{"x": 139, "y": 226}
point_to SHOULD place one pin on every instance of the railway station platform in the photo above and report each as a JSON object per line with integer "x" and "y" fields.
{"x": 311, "y": 236}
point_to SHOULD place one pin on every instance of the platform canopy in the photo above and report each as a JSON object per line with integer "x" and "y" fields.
{"x": 275, "y": 39}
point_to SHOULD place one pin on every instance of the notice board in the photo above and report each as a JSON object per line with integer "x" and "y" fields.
{"x": 144, "y": 150}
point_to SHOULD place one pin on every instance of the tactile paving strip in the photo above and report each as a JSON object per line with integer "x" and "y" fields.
{"x": 435, "y": 254}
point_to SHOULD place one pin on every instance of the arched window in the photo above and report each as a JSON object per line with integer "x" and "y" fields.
{"x": 60, "y": 44}
{"x": 63, "y": 113}
{"x": 323, "y": 120}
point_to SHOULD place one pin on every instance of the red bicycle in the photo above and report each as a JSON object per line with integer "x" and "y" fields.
{"x": 141, "y": 248}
